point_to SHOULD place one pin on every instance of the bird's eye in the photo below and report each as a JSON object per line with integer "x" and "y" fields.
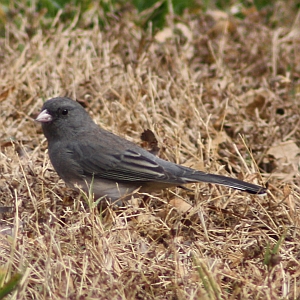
{"x": 64, "y": 112}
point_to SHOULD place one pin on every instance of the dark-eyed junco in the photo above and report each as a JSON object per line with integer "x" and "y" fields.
{"x": 82, "y": 152}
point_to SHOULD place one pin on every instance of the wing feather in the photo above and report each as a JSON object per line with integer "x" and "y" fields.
{"x": 126, "y": 166}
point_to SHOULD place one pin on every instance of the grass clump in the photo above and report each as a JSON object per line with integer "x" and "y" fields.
{"x": 220, "y": 93}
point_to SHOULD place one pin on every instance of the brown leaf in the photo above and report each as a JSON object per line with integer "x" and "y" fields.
{"x": 257, "y": 99}
{"x": 285, "y": 150}
{"x": 286, "y": 156}
{"x": 150, "y": 141}
{"x": 181, "y": 205}
{"x": 258, "y": 102}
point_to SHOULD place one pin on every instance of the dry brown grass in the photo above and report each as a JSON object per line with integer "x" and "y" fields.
{"x": 220, "y": 98}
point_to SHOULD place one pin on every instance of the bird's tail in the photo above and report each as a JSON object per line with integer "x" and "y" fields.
{"x": 198, "y": 176}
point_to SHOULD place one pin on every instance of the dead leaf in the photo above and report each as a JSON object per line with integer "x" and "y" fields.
{"x": 287, "y": 160}
{"x": 258, "y": 102}
{"x": 285, "y": 150}
{"x": 150, "y": 141}
{"x": 257, "y": 99}
{"x": 181, "y": 205}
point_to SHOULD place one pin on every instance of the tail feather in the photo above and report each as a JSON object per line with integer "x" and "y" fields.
{"x": 237, "y": 184}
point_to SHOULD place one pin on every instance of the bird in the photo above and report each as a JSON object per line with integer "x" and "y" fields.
{"x": 84, "y": 154}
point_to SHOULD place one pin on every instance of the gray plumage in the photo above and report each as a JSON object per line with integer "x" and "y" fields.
{"x": 80, "y": 150}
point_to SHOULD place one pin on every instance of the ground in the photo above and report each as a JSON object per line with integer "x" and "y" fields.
{"x": 220, "y": 93}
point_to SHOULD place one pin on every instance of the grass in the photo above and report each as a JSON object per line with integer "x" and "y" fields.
{"x": 221, "y": 95}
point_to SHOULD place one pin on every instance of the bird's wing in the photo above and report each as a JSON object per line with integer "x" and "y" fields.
{"x": 126, "y": 165}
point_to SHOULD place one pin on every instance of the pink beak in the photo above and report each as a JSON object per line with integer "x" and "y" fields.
{"x": 44, "y": 117}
